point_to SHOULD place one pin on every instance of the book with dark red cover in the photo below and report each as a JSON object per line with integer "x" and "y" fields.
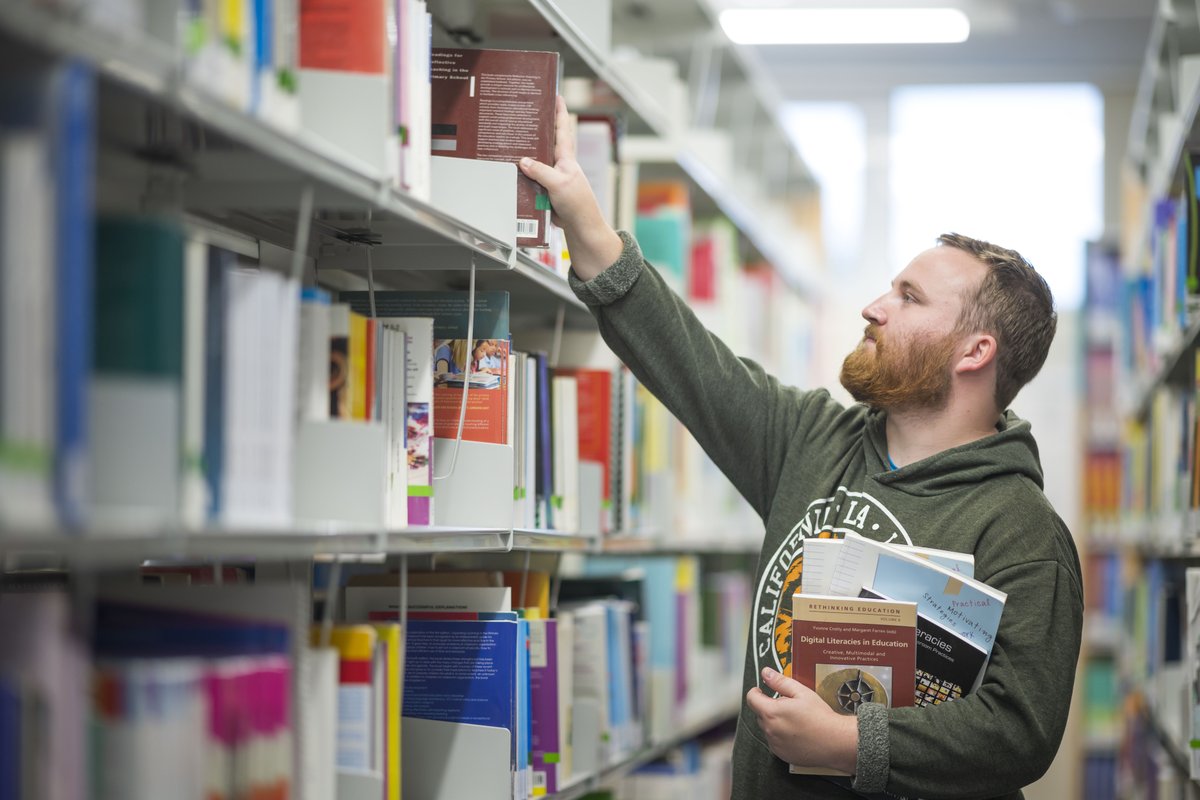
{"x": 498, "y": 105}
{"x": 854, "y": 650}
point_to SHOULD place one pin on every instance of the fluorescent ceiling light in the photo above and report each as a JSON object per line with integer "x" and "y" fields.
{"x": 845, "y": 25}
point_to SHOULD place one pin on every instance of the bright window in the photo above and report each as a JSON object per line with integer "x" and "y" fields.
{"x": 1021, "y": 166}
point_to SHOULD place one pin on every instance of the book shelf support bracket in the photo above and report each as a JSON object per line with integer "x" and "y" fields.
{"x": 335, "y": 572}
{"x": 556, "y": 344}
{"x": 403, "y": 605}
{"x": 704, "y": 80}
{"x": 303, "y": 220}
{"x": 462, "y": 408}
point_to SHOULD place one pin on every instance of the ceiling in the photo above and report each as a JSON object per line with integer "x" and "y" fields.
{"x": 1097, "y": 41}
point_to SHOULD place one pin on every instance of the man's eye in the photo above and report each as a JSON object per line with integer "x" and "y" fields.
{"x": 908, "y": 298}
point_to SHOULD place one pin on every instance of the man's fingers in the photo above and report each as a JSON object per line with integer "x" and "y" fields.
{"x": 542, "y": 173}
{"x": 759, "y": 703}
{"x": 564, "y": 137}
{"x": 786, "y": 686}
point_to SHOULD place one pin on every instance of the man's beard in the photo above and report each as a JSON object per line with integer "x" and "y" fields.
{"x": 898, "y": 377}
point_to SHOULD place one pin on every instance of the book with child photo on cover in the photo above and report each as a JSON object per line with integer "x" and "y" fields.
{"x": 485, "y": 356}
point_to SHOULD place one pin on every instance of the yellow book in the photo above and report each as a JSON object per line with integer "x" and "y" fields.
{"x": 391, "y": 639}
{"x": 536, "y": 600}
{"x": 358, "y": 366}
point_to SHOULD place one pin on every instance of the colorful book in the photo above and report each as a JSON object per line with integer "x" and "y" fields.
{"x": 594, "y": 400}
{"x": 418, "y": 387}
{"x": 357, "y": 695}
{"x": 391, "y": 641}
{"x": 547, "y": 737}
{"x": 949, "y": 667}
{"x": 487, "y": 407}
{"x": 969, "y": 607}
{"x": 499, "y": 105}
{"x": 821, "y": 558}
{"x": 854, "y": 650}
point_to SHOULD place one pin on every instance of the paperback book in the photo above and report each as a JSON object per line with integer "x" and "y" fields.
{"x": 854, "y": 650}
{"x": 499, "y": 105}
{"x": 486, "y": 356}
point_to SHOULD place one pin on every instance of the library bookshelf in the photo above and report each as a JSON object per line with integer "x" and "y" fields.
{"x": 162, "y": 140}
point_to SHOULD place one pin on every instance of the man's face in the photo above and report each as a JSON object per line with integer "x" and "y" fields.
{"x": 910, "y": 345}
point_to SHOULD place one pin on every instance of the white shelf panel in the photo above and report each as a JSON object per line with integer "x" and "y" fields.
{"x": 639, "y": 101}
{"x": 108, "y": 548}
{"x": 115, "y": 548}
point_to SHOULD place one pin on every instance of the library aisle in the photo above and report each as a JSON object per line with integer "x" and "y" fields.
{"x": 318, "y": 481}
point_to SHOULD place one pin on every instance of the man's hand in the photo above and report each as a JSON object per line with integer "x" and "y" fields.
{"x": 594, "y": 245}
{"x": 801, "y": 728}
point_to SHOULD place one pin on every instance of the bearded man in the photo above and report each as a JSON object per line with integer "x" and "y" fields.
{"x": 930, "y": 455}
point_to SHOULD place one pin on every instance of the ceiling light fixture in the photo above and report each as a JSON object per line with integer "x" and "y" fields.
{"x": 845, "y": 25}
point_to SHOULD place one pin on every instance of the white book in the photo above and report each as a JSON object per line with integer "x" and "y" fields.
{"x": 363, "y": 601}
{"x": 530, "y": 441}
{"x": 261, "y": 320}
{"x": 566, "y": 691}
{"x": 594, "y": 150}
{"x": 395, "y": 384}
{"x": 516, "y": 436}
{"x": 821, "y": 558}
{"x": 317, "y": 680}
{"x": 565, "y": 451}
{"x": 590, "y": 729}
{"x": 27, "y": 345}
{"x": 194, "y": 494}
{"x": 418, "y": 396}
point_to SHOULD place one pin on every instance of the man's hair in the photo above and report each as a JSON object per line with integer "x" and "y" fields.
{"x": 1014, "y": 304}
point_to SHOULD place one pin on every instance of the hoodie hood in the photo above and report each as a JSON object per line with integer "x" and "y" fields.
{"x": 1011, "y": 450}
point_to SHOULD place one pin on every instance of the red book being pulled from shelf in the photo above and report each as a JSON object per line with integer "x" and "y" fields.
{"x": 498, "y": 105}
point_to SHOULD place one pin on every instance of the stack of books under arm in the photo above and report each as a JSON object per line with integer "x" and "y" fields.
{"x": 891, "y": 624}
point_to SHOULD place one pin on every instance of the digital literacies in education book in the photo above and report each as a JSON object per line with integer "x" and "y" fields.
{"x": 854, "y": 650}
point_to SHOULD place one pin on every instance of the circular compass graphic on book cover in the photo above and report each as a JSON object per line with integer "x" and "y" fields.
{"x": 845, "y": 688}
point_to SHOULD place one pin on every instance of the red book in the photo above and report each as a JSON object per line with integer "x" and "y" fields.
{"x": 854, "y": 650}
{"x": 498, "y": 105}
{"x": 595, "y": 420}
{"x": 345, "y": 35}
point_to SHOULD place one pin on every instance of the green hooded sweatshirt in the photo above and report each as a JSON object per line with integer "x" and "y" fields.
{"x": 809, "y": 465}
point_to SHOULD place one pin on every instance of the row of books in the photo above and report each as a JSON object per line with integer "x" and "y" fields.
{"x": 1160, "y": 471}
{"x": 217, "y": 391}
{"x": 230, "y": 691}
{"x": 1161, "y": 297}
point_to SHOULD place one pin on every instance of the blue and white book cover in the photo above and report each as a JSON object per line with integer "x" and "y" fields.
{"x": 969, "y": 608}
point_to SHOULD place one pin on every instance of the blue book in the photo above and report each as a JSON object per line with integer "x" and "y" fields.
{"x": 545, "y": 463}
{"x": 524, "y": 710}
{"x": 220, "y": 264}
{"x": 131, "y": 630}
{"x": 264, "y": 51}
{"x": 464, "y": 670}
{"x": 10, "y": 742}
{"x": 74, "y": 101}
{"x": 967, "y": 607}
{"x": 660, "y": 608}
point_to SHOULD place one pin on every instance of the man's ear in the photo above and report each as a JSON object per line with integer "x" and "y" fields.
{"x": 978, "y": 352}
